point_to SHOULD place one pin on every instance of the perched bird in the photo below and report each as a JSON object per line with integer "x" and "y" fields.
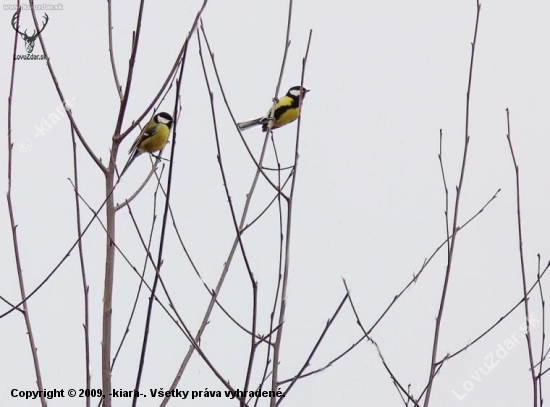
{"x": 286, "y": 111}
{"x": 152, "y": 138}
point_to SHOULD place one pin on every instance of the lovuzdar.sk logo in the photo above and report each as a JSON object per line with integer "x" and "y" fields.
{"x": 29, "y": 39}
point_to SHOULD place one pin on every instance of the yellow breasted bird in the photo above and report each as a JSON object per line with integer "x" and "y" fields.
{"x": 286, "y": 111}
{"x": 152, "y": 138}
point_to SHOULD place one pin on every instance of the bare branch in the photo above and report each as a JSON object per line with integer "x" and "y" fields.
{"x": 286, "y": 270}
{"x": 66, "y": 103}
{"x": 111, "y": 50}
{"x": 502, "y": 318}
{"x": 523, "y": 274}
{"x": 455, "y": 218}
{"x": 85, "y": 287}
{"x": 19, "y": 267}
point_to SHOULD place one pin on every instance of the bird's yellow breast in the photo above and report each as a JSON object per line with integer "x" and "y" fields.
{"x": 156, "y": 141}
{"x": 286, "y": 111}
{"x": 286, "y": 117}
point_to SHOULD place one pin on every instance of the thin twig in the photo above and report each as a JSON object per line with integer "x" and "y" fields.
{"x": 198, "y": 274}
{"x": 439, "y": 318}
{"x": 253, "y": 282}
{"x": 396, "y": 382}
{"x": 169, "y": 78}
{"x": 272, "y": 322}
{"x": 502, "y": 318}
{"x": 66, "y": 103}
{"x": 440, "y": 156}
{"x": 85, "y": 287}
{"x": 110, "y": 216}
{"x": 285, "y": 53}
{"x": 13, "y": 224}
{"x": 428, "y": 260}
{"x": 159, "y": 262}
{"x": 394, "y": 300}
{"x": 276, "y": 197}
{"x": 522, "y": 262}
{"x": 221, "y": 280}
{"x": 543, "y": 306}
{"x": 286, "y": 270}
{"x": 277, "y": 346}
{"x": 243, "y": 140}
{"x": 131, "y": 65}
{"x": 111, "y": 50}
{"x": 140, "y": 188}
{"x": 147, "y": 248}
{"x": 315, "y": 348}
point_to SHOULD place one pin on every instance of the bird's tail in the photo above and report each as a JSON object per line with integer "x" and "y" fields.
{"x": 130, "y": 161}
{"x": 250, "y": 123}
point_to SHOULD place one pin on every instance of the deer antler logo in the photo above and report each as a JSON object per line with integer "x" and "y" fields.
{"x": 29, "y": 39}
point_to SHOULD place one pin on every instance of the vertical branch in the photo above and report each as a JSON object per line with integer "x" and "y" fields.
{"x": 15, "y": 240}
{"x": 168, "y": 79}
{"x": 258, "y": 165}
{"x": 222, "y": 277}
{"x": 287, "y": 45}
{"x": 111, "y": 51}
{"x": 163, "y": 231}
{"x": 238, "y": 233}
{"x": 233, "y": 249}
{"x": 455, "y": 228}
{"x": 281, "y": 255}
{"x": 522, "y": 262}
{"x": 110, "y": 215}
{"x": 131, "y": 65}
{"x": 542, "y": 356}
{"x": 82, "y": 270}
{"x": 109, "y": 279}
{"x": 286, "y": 271}
{"x": 440, "y": 156}
{"x": 117, "y": 138}
{"x": 147, "y": 248}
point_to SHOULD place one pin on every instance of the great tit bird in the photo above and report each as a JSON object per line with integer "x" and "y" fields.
{"x": 286, "y": 111}
{"x": 152, "y": 138}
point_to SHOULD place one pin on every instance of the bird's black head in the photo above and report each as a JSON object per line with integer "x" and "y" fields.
{"x": 295, "y": 92}
{"x": 164, "y": 118}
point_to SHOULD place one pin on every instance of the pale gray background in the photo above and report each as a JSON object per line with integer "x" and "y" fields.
{"x": 385, "y": 77}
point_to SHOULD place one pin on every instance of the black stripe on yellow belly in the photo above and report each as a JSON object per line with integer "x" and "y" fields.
{"x": 283, "y": 115}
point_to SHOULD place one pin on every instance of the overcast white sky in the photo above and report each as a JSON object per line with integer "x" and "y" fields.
{"x": 369, "y": 202}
